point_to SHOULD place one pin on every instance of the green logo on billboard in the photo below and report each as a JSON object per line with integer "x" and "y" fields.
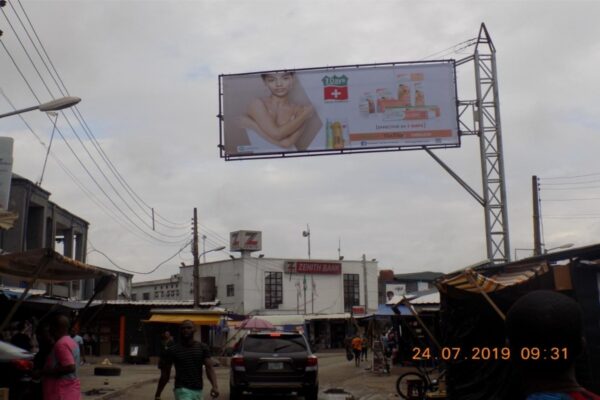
{"x": 335, "y": 80}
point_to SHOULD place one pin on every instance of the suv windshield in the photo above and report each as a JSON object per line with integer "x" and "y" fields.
{"x": 275, "y": 344}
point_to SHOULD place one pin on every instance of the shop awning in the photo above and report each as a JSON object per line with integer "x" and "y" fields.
{"x": 197, "y": 319}
{"x": 47, "y": 265}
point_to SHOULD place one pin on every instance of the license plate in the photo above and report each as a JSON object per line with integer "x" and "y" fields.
{"x": 275, "y": 365}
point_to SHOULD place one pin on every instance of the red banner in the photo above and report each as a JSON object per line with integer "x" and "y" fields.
{"x": 310, "y": 267}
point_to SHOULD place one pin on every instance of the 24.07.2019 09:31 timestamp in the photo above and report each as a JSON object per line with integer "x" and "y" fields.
{"x": 489, "y": 353}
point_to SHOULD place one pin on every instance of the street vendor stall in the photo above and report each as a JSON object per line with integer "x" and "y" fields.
{"x": 474, "y": 303}
{"x": 43, "y": 265}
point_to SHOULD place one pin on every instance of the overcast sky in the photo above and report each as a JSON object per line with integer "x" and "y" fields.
{"x": 147, "y": 72}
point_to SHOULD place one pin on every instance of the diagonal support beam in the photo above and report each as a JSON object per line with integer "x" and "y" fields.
{"x": 464, "y": 184}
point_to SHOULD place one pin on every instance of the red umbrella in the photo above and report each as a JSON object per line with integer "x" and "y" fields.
{"x": 256, "y": 323}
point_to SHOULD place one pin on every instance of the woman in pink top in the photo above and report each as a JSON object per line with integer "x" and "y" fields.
{"x": 61, "y": 381}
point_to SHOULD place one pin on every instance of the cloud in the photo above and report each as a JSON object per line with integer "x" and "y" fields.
{"x": 147, "y": 73}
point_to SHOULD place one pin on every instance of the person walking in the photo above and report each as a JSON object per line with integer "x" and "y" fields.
{"x": 79, "y": 340}
{"x": 188, "y": 356}
{"x": 357, "y": 349}
{"x": 166, "y": 341}
{"x": 60, "y": 380}
{"x": 365, "y": 347}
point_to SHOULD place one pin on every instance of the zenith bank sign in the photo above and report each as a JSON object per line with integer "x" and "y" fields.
{"x": 314, "y": 267}
{"x": 245, "y": 241}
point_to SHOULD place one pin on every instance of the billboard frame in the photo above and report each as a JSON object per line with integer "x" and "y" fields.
{"x": 325, "y": 152}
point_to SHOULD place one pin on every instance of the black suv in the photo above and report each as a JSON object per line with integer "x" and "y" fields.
{"x": 274, "y": 362}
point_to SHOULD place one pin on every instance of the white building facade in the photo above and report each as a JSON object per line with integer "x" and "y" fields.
{"x": 273, "y": 286}
{"x": 163, "y": 289}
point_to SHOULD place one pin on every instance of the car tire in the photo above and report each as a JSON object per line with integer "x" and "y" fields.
{"x": 312, "y": 393}
{"x": 107, "y": 371}
{"x": 234, "y": 393}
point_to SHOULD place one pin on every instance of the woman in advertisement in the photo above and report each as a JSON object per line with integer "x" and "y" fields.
{"x": 274, "y": 122}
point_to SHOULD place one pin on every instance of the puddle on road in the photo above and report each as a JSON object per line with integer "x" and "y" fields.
{"x": 98, "y": 392}
{"x": 337, "y": 394}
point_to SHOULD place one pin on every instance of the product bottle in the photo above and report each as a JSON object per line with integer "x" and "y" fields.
{"x": 328, "y": 135}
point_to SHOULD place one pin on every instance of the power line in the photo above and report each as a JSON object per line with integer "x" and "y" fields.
{"x": 137, "y": 272}
{"x": 79, "y": 184}
{"x": 572, "y": 176}
{"x": 88, "y": 132}
{"x": 78, "y": 117}
{"x": 571, "y": 188}
{"x": 573, "y": 199}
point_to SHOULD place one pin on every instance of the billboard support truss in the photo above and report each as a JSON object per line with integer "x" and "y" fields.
{"x": 485, "y": 124}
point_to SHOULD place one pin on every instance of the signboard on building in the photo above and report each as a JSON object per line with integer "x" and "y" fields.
{"x": 245, "y": 241}
{"x": 359, "y": 310}
{"x": 339, "y": 109}
{"x": 314, "y": 267}
{"x": 394, "y": 289}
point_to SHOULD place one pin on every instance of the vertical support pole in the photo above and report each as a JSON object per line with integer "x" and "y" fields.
{"x": 204, "y": 249}
{"x": 364, "y": 265}
{"x": 122, "y": 336}
{"x": 196, "y": 262}
{"x": 537, "y": 237}
{"x": 304, "y": 283}
{"x": 153, "y": 227}
{"x": 488, "y": 128}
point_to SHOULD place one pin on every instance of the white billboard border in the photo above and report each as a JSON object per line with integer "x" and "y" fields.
{"x": 326, "y": 152}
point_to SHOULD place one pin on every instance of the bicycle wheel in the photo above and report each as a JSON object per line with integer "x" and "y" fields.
{"x": 411, "y": 385}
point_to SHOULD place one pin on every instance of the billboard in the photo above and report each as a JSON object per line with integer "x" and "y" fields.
{"x": 245, "y": 241}
{"x": 378, "y": 107}
{"x": 394, "y": 289}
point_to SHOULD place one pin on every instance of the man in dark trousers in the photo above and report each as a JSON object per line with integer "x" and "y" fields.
{"x": 188, "y": 356}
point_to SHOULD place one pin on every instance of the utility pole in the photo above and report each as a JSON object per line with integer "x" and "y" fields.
{"x": 364, "y": 263}
{"x": 196, "y": 262}
{"x": 304, "y": 294}
{"x": 537, "y": 237}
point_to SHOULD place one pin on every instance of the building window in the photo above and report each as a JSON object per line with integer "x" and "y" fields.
{"x": 273, "y": 289}
{"x": 146, "y": 296}
{"x": 230, "y": 291}
{"x": 351, "y": 291}
{"x": 134, "y": 296}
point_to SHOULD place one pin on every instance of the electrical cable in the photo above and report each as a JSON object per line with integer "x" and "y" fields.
{"x": 94, "y": 249}
{"x": 81, "y": 186}
{"x": 570, "y": 183}
{"x": 84, "y": 125}
{"x": 571, "y": 177}
{"x": 466, "y": 43}
{"x": 79, "y": 117}
{"x": 79, "y": 160}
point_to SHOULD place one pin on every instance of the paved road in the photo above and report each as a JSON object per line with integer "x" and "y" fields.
{"x": 334, "y": 372}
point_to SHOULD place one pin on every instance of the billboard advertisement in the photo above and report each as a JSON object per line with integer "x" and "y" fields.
{"x": 394, "y": 289}
{"x": 339, "y": 109}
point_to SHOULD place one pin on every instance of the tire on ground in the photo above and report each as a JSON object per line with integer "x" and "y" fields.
{"x": 312, "y": 393}
{"x": 107, "y": 371}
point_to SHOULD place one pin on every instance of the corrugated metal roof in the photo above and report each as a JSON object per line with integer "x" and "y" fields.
{"x": 158, "y": 303}
{"x": 425, "y": 276}
{"x": 472, "y": 281}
